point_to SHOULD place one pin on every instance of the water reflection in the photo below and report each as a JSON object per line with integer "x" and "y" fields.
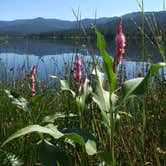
{"x": 37, "y": 47}
{"x": 56, "y": 57}
{"x": 49, "y": 47}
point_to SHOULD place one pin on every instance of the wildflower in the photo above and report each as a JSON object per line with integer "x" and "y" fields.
{"x": 78, "y": 68}
{"x": 32, "y": 80}
{"x": 84, "y": 81}
{"x": 120, "y": 43}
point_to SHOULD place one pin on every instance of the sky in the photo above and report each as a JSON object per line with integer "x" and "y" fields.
{"x": 62, "y": 9}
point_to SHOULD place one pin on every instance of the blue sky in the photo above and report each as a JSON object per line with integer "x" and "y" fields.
{"x": 62, "y": 9}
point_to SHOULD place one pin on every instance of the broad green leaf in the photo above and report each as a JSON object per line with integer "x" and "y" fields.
{"x": 107, "y": 61}
{"x": 90, "y": 147}
{"x": 128, "y": 87}
{"x": 52, "y": 118}
{"x": 138, "y": 86}
{"x": 114, "y": 99}
{"x": 17, "y": 100}
{"x": 34, "y": 128}
{"x": 83, "y": 138}
{"x": 75, "y": 137}
{"x": 102, "y": 98}
{"x": 70, "y": 134}
{"x": 64, "y": 85}
{"x": 51, "y": 155}
{"x": 140, "y": 90}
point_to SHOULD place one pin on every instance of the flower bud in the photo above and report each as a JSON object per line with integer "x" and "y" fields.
{"x": 120, "y": 43}
{"x": 84, "y": 81}
{"x": 32, "y": 80}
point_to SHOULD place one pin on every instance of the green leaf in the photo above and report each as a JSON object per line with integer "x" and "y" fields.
{"x": 106, "y": 156}
{"x": 84, "y": 94}
{"x": 51, "y": 155}
{"x": 83, "y": 138}
{"x": 101, "y": 98}
{"x": 17, "y": 100}
{"x": 90, "y": 147}
{"x": 52, "y": 118}
{"x": 128, "y": 87}
{"x": 107, "y": 61}
{"x": 114, "y": 99}
{"x": 76, "y": 138}
{"x": 138, "y": 86}
{"x": 77, "y": 135}
{"x": 140, "y": 90}
{"x": 34, "y": 128}
{"x": 37, "y": 98}
{"x": 64, "y": 85}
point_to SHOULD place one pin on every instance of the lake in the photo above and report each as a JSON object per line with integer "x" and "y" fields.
{"x": 56, "y": 57}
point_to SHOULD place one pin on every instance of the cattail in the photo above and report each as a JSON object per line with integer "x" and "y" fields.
{"x": 83, "y": 83}
{"x": 78, "y": 68}
{"x": 32, "y": 80}
{"x": 120, "y": 43}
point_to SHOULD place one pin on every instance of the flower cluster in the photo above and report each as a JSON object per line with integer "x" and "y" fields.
{"x": 120, "y": 43}
{"x": 78, "y": 73}
{"x": 32, "y": 80}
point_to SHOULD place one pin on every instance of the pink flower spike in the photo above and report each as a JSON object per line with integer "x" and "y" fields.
{"x": 33, "y": 70}
{"x": 32, "y": 80}
{"x": 84, "y": 81}
{"x": 120, "y": 43}
{"x": 78, "y": 68}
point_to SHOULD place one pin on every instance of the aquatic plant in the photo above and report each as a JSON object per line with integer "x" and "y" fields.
{"x": 32, "y": 80}
{"x": 120, "y": 43}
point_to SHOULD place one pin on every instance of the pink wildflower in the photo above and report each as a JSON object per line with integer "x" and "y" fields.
{"x": 32, "y": 80}
{"x": 84, "y": 81}
{"x": 78, "y": 68}
{"x": 120, "y": 43}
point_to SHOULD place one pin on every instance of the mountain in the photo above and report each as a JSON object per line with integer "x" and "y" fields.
{"x": 132, "y": 23}
{"x": 39, "y": 25}
{"x": 36, "y": 25}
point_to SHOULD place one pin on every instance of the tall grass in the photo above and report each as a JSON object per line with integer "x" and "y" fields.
{"x": 128, "y": 143}
{"x": 109, "y": 121}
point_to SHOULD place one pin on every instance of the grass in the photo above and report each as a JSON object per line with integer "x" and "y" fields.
{"x": 135, "y": 144}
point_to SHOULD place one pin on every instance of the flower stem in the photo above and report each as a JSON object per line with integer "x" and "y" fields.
{"x": 79, "y": 112}
{"x": 112, "y": 131}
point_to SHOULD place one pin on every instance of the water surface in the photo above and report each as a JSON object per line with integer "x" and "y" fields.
{"x": 56, "y": 57}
